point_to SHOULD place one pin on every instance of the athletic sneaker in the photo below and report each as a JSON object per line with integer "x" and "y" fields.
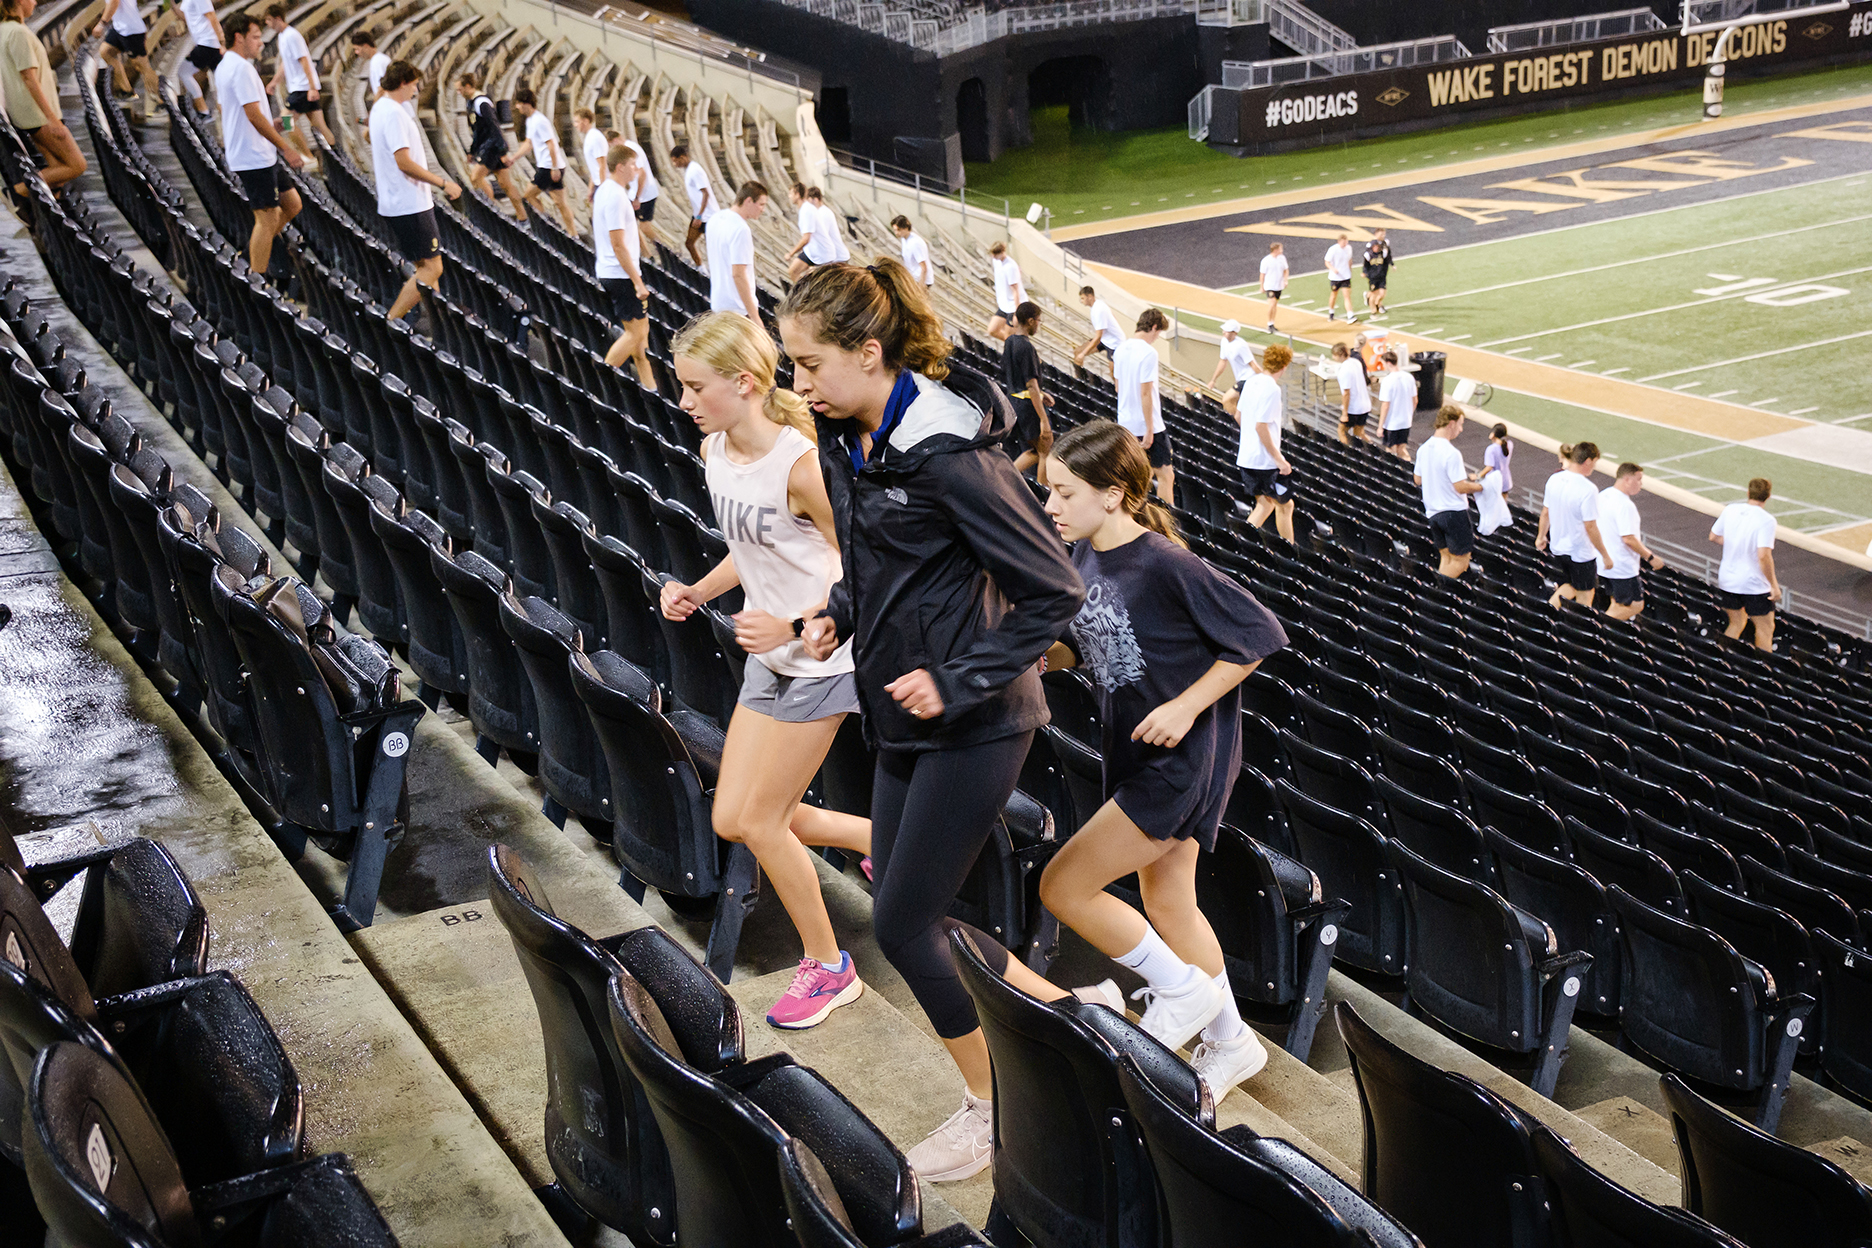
{"x": 1332, "y": 314}
{"x": 1225, "y": 1063}
{"x": 1173, "y": 1015}
{"x": 816, "y": 990}
{"x": 961, "y": 1147}
{"x": 1105, "y": 992}
{"x": 1350, "y": 319}
{"x": 1270, "y": 327}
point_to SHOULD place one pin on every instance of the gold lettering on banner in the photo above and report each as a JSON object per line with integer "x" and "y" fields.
{"x": 1706, "y": 165}
{"x": 1459, "y": 86}
{"x": 1491, "y": 211}
{"x": 1545, "y": 73}
{"x": 1632, "y": 60}
{"x": 1844, "y": 131}
{"x": 1330, "y": 225}
{"x": 1577, "y": 187}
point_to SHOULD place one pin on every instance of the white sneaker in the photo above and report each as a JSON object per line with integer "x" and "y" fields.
{"x": 961, "y": 1147}
{"x": 1105, "y": 992}
{"x": 1224, "y": 1063}
{"x": 1173, "y": 1015}
{"x": 1332, "y": 314}
{"x": 1270, "y": 327}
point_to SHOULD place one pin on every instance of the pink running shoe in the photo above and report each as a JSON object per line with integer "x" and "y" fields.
{"x": 864, "y": 865}
{"x": 816, "y": 991}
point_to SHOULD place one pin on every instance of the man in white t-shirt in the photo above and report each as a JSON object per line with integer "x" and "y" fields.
{"x": 1339, "y": 273}
{"x": 1265, "y": 472}
{"x": 816, "y": 244}
{"x": 1397, "y": 394}
{"x": 1140, "y": 404}
{"x": 301, "y": 77}
{"x": 549, "y": 162}
{"x": 916, "y": 252}
{"x": 1010, "y": 291}
{"x": 1354, "y": 392}
{"x": 1746, "y": 585}
{"x": 702, "y": 205}
{"x": 1619, "y": 525}
{"x": 1236, "y": 355}
{"x": 205, "y": 57}
{"x": 619, "y": 253}
{"x": 1273, "y": 279}
{"x": 594, "y": 147}
{"x": 731, "y": 253}
{"x": 126, "y": 39}
{"x": 403, "y": 176}
{"x": 1569, "y": 526}
{"x": 1445, "y": 483}
{"x": 1107, "y": 333}
{"x": 644, "y": 194}
{"x": 251, "y": 145}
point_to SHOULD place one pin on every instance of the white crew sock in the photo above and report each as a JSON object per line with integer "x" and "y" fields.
{"x": 1227, "y": 1025}
{"x": 1156, "y": 962}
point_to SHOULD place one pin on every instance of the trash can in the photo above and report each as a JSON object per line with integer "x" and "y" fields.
{"x": 1430, "y": 365}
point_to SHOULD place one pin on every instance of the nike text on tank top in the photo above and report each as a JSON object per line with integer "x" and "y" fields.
{"x": 786, "y": 565}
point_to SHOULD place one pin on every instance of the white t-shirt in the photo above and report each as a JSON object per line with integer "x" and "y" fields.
{"x": 1240, "y": 357}
{"x": 1353, "y": 381}
{"x": 695, "y": 181}
{"x": 291, "y": 47}
{"x": 1133, "y": 364}
{"x": 730, "y": 242}
{"x": 596, "y": 148}
{"x": 1618, "y": 520}
{"x": 829, "y": 228}
{"x": 1339, "y": 262}
{"x": 647, "y": 188}
{"x": 237, "y": 84}
{"x": 547, "y": 154}
{"x": 379, "y": 62}
{"x": 1746, "y": 530}
{"x": 1260, "y": 405}
{"x": 821, "y": 248}
{"x": 392, "y": 130}
{"x": 1440, "y": 466}
{"x": 611, "y": 210}
{"x": 1110, "y": 332}
{"x": 1571, "y": 499}
{"x": 195, "y": 13}
{"x": 128, "y": 19}
{"x": 1273, "y": 272}
{"x": 1007, "y": 276}
{"x": 1398, "y": 392}
{"x": 916, "y": 254}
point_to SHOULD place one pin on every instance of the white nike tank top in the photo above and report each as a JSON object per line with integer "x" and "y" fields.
{"x": 786, "y": 565}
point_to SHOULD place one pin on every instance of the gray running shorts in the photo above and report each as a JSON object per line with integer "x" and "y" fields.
{"x": 796, "y": 699}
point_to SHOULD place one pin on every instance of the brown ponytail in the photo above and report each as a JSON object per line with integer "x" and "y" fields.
{"x": 852, "y": 305}
{"x": 1103, "y": 454}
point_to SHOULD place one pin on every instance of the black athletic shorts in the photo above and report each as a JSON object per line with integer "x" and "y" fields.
{"x": 646, "y": 211}
{"x": 205, "y": 58}
{"x": 1581, "y": 574}
{"x": 1159, "y": 452}
{"x": 264, "y": 186}
{"x": 1754, "y": 606}
{"x": 1358, "y": 420}
{"x": 625, "y": 305}
{"x": 416, "y": 236}
{"x": 1240, "y": 384}
{"x": 1397, "y": 437}
{"x": 1026, "y": 431}
{"x": 1339, "y": 285}
{"x": 1453, "y": 531}
{"x": 1272, "y": 294}
{"x": 1376, "y": 281}
{"x": 1625, "y": 590}
{"x": 298, "y": 103}
{"x": 488, "y": 155}
{"x": 543, "y": 179}
{"x": 131, "y": 46}
{"x": 1268, "y": 483}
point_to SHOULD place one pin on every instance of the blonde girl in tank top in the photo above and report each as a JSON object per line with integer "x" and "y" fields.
{"x": 770, "y": 503}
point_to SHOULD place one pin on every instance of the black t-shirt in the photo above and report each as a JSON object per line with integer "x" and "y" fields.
{"x": 1378, "y": 258}
{"x": 1020, "y": 363}
{"x": 487, "y": 131}
{"x": 1155, "y": 619}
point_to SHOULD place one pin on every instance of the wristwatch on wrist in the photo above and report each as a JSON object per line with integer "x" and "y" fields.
{"x": 799, "y": 626}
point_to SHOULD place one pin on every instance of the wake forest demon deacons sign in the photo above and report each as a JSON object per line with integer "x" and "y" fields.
{"x": 1302, "y": 114}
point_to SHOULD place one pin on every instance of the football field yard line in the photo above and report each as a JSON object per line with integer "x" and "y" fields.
{"x": 1678, "y": 307}
{"x": 1760, "y": 355}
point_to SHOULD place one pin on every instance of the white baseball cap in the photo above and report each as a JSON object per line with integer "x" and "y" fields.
{"x": 1231, "y": 327}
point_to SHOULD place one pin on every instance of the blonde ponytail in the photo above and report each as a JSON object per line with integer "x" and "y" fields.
{"x": 729, "y": 344}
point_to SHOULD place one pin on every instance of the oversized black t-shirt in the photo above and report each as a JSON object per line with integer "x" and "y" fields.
{"x": 1155, "y": 619}
{"x": 1020, "y": 363}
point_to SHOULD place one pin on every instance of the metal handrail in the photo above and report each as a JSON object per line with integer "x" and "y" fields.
{"x": 960, "y": 30}
{"x": 1381, "y": 56}
{"x": 1305, "y": 31}
{"x": 1525, "y": 36}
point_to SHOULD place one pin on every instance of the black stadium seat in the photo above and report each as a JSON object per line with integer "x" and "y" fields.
{"x": 1348, "y": 855}
{"x": 571, "y": 764}
{"x": 1846, "y": 1037}
{"x": 1574, "y": 904}
{"x": 1591, "y": 1211}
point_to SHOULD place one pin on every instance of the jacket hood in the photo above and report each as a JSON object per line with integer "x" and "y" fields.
{"x": 964, "y": 411}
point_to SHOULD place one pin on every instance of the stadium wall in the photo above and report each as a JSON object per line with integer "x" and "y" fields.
{"x": 1468, "y": 20}
{"x": 1353, "y": 106}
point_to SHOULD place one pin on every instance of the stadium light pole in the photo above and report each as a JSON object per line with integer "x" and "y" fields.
{"x": 1718, "y": 66}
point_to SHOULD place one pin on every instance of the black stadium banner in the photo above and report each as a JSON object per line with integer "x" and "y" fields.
{"x": 1302, "y": 114}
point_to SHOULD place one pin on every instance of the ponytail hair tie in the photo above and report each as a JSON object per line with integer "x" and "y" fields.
{"x": 872, "y": 269}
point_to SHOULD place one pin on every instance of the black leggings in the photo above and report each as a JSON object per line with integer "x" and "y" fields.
{"x": 930, "y": 816}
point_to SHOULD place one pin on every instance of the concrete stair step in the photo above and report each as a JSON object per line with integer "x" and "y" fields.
{"x": 1312, "y": 1110}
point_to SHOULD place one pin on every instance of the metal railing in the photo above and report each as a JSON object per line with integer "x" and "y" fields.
{"x": 1701, "y": 12}
{"x": 1200, "y": 106}
{"x": 987, "y": 207}
{"x": 691, "y": 41}
{"x": 1305, "y": 31}
{"x": 973, "y": 27}
{"x": 1530, "y": 35}
{"x": 1230, "y": 12}
{"x": 1242, "y": 74}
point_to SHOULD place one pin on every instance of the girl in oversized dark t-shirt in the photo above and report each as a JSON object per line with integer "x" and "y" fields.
{"x": 1167, "y": 641}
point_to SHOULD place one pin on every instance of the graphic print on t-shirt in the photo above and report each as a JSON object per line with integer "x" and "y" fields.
{"x": 1107, "y": 645}
{"x": 744, "y": 522}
